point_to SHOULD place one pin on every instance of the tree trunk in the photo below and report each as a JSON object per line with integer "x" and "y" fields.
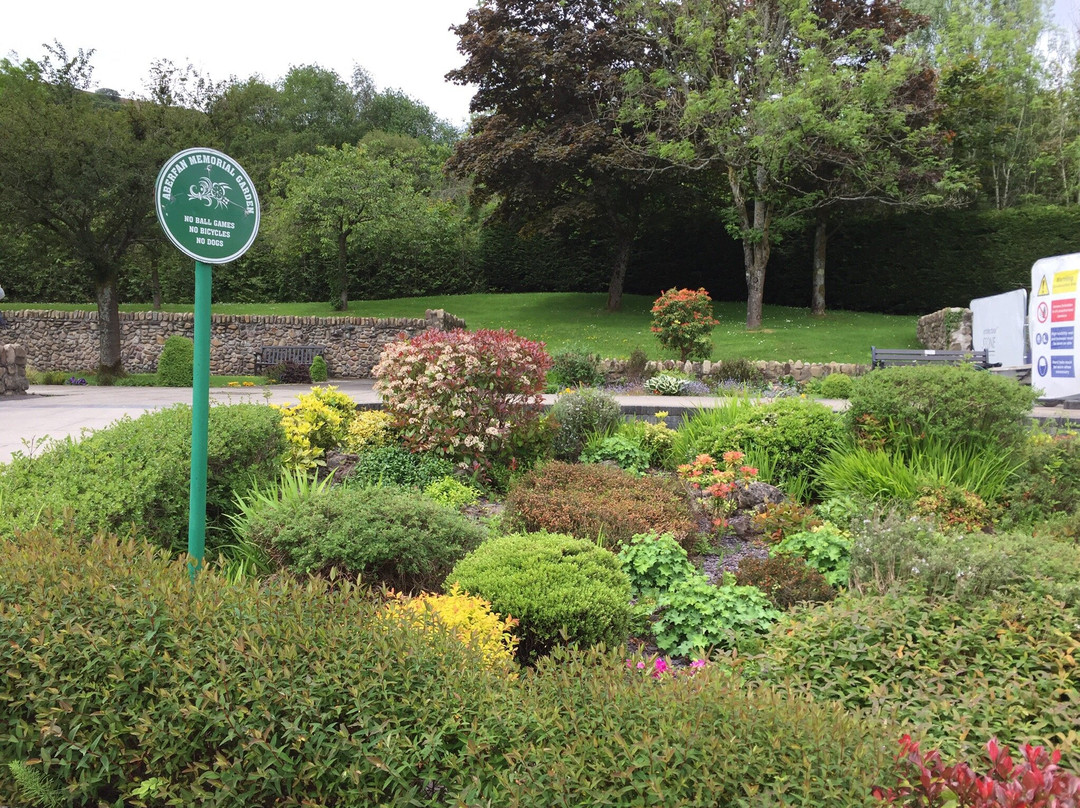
{"x": 755, "y": 221}
{"x": 155, "y": 282}
{"x": 821, "y": 240}
{"x": 343, "y": 270}
{"x": 110, "y": 365}
{"x": 756, "y": 256}
{"x": 618, "y": 271}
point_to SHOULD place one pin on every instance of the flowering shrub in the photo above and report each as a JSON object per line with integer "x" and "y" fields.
{"x": 468, "y": 618}
{"x": 719, "y": 485}
{"x": 472, "y": 396}
{"x": 1036, "y": 782}
{"x": 662, "y": 669}
{"x": 682, "y": 320}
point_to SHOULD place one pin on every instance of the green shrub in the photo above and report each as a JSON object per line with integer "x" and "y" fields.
{"x": 175, "y": 365}
{"x": 598, "y": 503}
{"x": 318, "y": 370}
{"x": 138, "y": 472}
{"x": 620, "y": 449}
{"x": 1047, "y": 481}
{"x": 682, "y": 320}
{"x": 835, "y": 385}
{"x": 396, "y": 465}
{"x": 318, "y": 421}
{"x": 696, "y": 616}
{"x": 787, "y": 581}
{"x": 579, "y": 414}
{"x": 550, "y": 583}
{"x": 892, "y": 407}
{"x": 573, "y": 368}
{"x": 654, "y": 564}
{"x": 451, "y": 492}
{"x": 368, "y": 429}
{"x": 794, "y": 434}
{"x": 386, "y": 534}
{"x": 956, "y": 674}
{"x": 826, "y": 548}
{"x": 741, "y": 370}
{"x": 294, "y": 693}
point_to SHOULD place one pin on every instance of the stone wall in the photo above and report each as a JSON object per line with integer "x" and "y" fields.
{"x": 68, "y": 340}
{"x": 12, "y": 370}
{"x": 945, "y": 330}
{"x": 772, "y": 371}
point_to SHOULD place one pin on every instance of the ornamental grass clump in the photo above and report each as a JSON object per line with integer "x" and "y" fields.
{"x": 682, "y": 320}
{"x": 474, "y": 397}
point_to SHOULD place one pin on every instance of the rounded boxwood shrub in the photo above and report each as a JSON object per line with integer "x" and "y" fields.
{"x": 176, "y": 363}
{"x": 550, "y": 583}
{"x": 318, "y": 370}
{"x": 836, "y": 385}
{"x": 384, "y": 533}
{"x": 599, "y": 503}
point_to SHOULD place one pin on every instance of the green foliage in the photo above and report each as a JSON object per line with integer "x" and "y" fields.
{"x": 835, "y": 385}
{"x": 318, "y": 370}
{"x": 35, "y": 787}
{"x": 898, "y": 407}
{"x": 599, "y": 503}
{"x": 138, "y": 472}
{"x": 368, "y": 429}
{"x": 899, "y": 475}
{"x": 666, "y": 384}
{"x": 826, "y": 548}
{"x": 619, "y": 449}
{"x": 955, "y": 674}
{"x": 578, "y": 414}
{"x": 395, "y": 465}
{"x": 573, "y": 368}
{"x": 175, "y": 365}
{"x": 787, "y": 581}
{"x": 317, "y": 422}
{"x": 139, "y": 688}
{"x": 560, "y": 589}
{"x": 654, "y": 564}
{"x": 386, "y": 534}
{"x": 695, "y": 616}
{"x": 741, "y": 370}
{"x": 451, "y": 492}
{"x": 683, "y": 321}
{"x": 1047, "y": 481}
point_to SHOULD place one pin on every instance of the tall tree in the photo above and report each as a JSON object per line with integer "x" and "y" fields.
{"x": 77, "y": 170}
{"x": 328, "y": 202}
{"x": 543, "y": 139}
{"x": 763, "y": 92}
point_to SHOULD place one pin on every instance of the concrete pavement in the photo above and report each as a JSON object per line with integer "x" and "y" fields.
{"x": 57, "y": 411}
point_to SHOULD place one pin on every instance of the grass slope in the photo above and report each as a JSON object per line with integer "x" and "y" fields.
{"x": 571, "y": 320}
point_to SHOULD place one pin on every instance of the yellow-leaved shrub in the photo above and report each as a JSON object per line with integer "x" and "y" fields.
{"x": 318, "y": 422}
{"x": 469, "y": 618}
{"x": 369, "y": 429}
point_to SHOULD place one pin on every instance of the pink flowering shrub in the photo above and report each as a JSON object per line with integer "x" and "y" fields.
{"x": 718, "y": 485}
{"x": 661, "y": 669}
{"x": 682, "y": 320}
{"x": 1035, "y": 782}
{"x": 474, "y": 397}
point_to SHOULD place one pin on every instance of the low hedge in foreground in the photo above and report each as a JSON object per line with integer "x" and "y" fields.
{"x": 138, "y": 471}
{"x": 121, "y": 677}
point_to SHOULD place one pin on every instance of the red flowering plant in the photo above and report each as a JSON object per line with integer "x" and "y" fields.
{"x": 682, "y": 320}
{"x": 718, "y": 486}
{"x": 923, "y": 781}
{"x": 473, "y": 396}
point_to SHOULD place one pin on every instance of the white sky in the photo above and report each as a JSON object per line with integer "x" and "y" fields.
{"x": 403, "y": 44}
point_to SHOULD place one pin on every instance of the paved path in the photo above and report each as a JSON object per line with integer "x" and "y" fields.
{"x": 57, "y": 411}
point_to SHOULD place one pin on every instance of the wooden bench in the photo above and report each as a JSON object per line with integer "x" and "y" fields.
{"x": 889, "y": 357}
{"x": 271, "y": 355}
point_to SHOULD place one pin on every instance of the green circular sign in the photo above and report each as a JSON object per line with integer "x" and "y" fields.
{"x": 207, "y": 205}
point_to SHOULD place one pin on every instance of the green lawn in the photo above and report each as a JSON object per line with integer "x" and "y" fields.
{"x": 571, "y": 320}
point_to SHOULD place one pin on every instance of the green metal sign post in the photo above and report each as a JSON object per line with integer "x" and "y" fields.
{"x": 207, "y": 205}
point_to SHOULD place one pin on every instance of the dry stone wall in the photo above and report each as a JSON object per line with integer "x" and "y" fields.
{"x": 68, "y": 340}
{"x": 945, "y": 330}
{"x": 12, "y": 370}
{"x": 772, "y": 371}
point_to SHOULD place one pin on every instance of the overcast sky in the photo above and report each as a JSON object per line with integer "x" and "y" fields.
{"x": 404, "y": 44}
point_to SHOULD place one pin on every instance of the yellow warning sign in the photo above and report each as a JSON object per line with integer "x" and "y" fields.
{"x": 1064, "y": 281}
{"x": 1044, "y": 287}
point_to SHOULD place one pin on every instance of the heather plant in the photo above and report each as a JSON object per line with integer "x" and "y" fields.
{"x": 682, "y": 320}
{"x": 598, "y": 503}
{"x": 560, "y": 589}
{"x": 577, "y": 415}
{"x": 175, "y": 365}
{"x": 465, "y": 394}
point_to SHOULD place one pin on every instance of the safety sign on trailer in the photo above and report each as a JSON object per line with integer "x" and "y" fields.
{"x": 1052, "y": 324}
